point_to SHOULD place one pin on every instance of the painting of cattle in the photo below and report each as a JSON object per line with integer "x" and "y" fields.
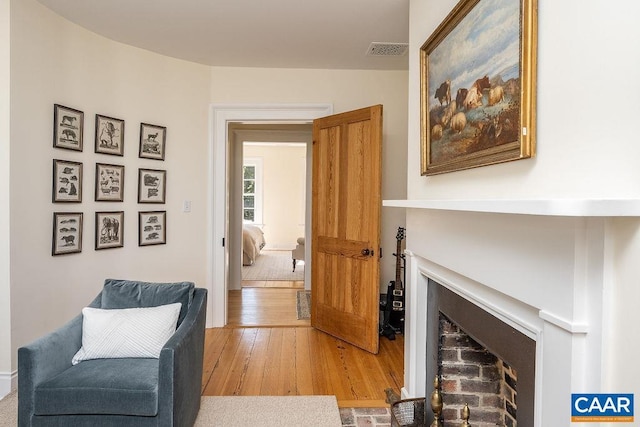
{"x": 109, "y": 230}
{"x": 151, "y": 185}
{"x": 67, "y": 233}
{"x": 68, "y": 124}
{"x": 67, "y": 182}
{"x": 484, "y": 54}
{"x": 152, "y": 228}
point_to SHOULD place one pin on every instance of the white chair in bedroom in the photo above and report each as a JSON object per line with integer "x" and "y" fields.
{"x": 298, "y": 253}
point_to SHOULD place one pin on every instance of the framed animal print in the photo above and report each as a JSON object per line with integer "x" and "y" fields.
{"x": 152, "y": 141}
{"x": 109, "y": 135}
{"x": 152, "y": 228}
{"x": 109, "y": 185}
{"x": 478, "y": 72}
{"x": 68, "y": 124}
{"x": 67, "y": 233}
{"x": 67, "y": 181}
{"x": 109, "y": 230}
{"x": 151, "y": 185}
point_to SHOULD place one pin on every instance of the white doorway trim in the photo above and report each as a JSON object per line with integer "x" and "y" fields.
{"x": 220, "y": 117}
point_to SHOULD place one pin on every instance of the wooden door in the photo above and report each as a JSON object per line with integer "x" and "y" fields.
{"x": 346, "y": 204}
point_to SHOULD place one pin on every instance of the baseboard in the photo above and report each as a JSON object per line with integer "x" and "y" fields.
{"x": 8, "y": 382}
{"x": 404, "y": 394}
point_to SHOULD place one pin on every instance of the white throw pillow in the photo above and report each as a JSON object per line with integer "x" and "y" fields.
{"x": 128, "y": 332}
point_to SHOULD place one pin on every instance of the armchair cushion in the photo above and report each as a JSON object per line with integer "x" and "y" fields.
{"x": 131, "y": 294}
{"x": 127, "y": 332}
{"x": 105, "y": 386}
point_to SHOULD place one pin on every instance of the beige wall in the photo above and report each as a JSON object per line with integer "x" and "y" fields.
{"x": 283, "y": 202}
{"x": 6, "y": 370}
{"x": 54, "y": 61}
{"x": 345, "y": 90}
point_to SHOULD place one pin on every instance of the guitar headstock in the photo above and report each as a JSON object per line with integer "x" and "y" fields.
{"x": 400, "y": 235}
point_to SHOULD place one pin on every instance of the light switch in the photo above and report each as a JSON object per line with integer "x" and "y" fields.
{"x": 186, "y": 206}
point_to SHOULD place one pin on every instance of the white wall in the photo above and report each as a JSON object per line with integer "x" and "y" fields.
{"x": 586, "y": 148}
{"x": 345, "y": 90}
{"x": 283, "y": 197}
{"x": 6, "y": 368}
{"x": 622, "y": 373}
{"x": 586, "y": 141}
{"x": 54, "y": 61}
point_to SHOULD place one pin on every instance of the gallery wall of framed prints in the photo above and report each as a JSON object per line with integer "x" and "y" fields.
{"x": 108, "y": 182}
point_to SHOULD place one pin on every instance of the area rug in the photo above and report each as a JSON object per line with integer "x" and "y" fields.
{"x": 303, "y": 305}
{"x": 273, "y": 265}
{"x": 269, "y": 411}
{"x": 9, "y": 410}
{"x": 239, "y": 411}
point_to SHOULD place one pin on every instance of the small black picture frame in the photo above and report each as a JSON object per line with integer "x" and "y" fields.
{"x": 153, "y": 139}
{"x": 109, "y": 230}
{"x": 67, "y": 233}
{"x": 109, "y": 183}
{"x": 109, "y": 135}
{"x": 152, "y": 228}
{"x": 68, "y": 125}
{"x": 152, "y": 185}
{"x": 67, "y": 182}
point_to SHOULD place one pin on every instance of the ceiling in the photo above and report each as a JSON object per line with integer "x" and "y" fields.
{"x": 325, "y": 34}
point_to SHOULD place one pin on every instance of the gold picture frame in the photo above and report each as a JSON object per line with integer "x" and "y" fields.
{"x": 478, "y": 86}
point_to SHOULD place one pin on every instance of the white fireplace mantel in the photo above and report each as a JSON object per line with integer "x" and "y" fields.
{"x": 543, "y": 207}
{"x": 547, "y": 270}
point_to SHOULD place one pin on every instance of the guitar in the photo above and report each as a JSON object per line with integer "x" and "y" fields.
{"x": 394, "y": 307}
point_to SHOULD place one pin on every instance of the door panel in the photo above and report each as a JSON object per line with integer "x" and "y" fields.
{"x": 347, "y": 162}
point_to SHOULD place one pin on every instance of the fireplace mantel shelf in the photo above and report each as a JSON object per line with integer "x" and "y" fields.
{"x": 541, "y": 207}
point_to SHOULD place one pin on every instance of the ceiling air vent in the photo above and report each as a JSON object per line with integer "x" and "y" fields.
{"x": 387, "y": 49}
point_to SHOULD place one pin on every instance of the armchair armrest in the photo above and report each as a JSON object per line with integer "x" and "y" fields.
{"x": 180, "y": 366}
{"x": 43, "y": 359}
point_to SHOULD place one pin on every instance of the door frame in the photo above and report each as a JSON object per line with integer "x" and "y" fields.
{"x": 221, "y": 115}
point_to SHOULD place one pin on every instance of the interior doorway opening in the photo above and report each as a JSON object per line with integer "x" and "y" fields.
{"x": 227, "y": 120}
{"x": 268, "y": 198}
{"x": 268, "y": 189}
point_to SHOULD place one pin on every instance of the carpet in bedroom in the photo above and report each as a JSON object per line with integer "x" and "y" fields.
{"x": 273, "y": 265}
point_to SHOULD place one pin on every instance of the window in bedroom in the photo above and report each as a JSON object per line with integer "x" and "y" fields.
{"x": 252, "y": 191}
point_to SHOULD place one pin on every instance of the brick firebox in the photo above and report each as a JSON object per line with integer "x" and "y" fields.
{"x": 473, "y": 375}
{"x": 483, "y": 353}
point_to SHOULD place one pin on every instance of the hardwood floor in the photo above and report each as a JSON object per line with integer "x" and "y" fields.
{"x": 244, "y": 359}
{"x": 298, "y": 284}
{"x": 261, "y": 304}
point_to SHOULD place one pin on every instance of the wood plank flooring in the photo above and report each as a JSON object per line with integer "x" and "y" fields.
{"x": 258, "y": 303}
{"x": 282, "y": 359}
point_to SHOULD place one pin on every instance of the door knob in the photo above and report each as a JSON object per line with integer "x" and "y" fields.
{"x": 367, "y": 252}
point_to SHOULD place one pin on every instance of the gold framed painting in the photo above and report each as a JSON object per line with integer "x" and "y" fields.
{"x": 478, "y": 82}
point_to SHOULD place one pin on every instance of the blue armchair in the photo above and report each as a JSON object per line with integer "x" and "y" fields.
{"x": 119, "y": 391}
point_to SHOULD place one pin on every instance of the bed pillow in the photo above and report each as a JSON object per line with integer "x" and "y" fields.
{"x": 128, "y": 332}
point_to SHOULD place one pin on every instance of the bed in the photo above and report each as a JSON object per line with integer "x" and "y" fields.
{"x": 252, "y": 243}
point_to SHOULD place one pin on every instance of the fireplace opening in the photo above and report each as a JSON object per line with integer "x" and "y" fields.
{"x": 481, "y": 361}
{"x": 472, "y": 375}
